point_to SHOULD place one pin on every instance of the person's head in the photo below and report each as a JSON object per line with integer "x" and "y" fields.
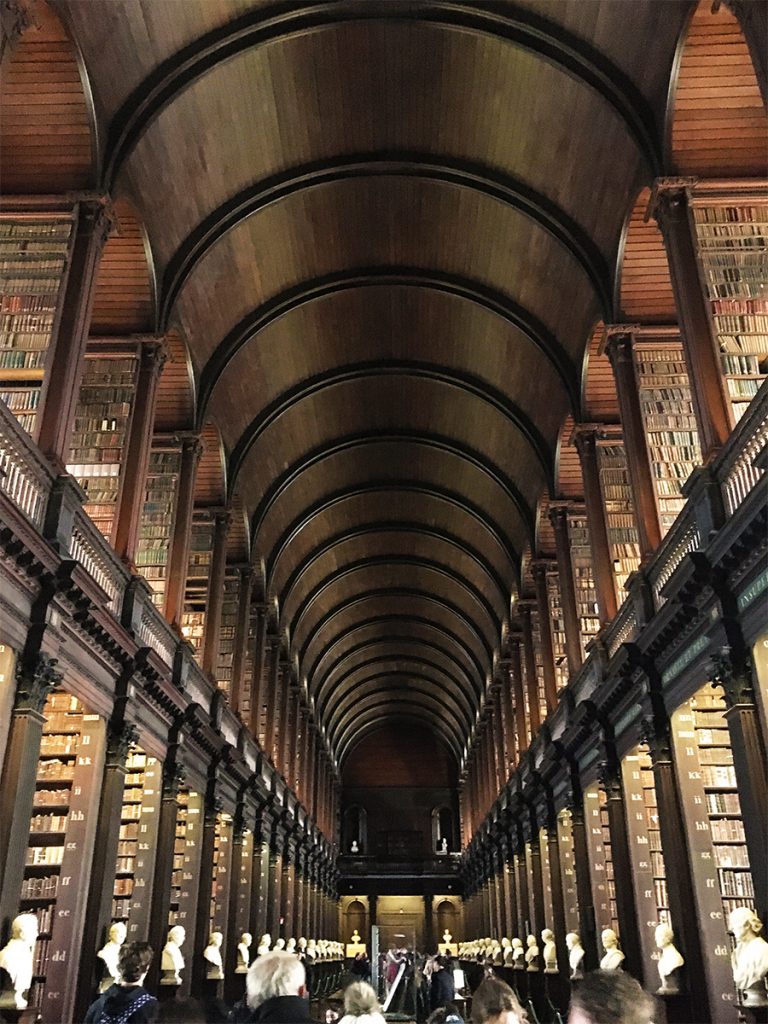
{"x": 133, "y": 962}
{"x": 274, "y": 974}
{"x": 494, "y": 1002}
{"x": 610, "y": 997}
{"x": 743, "y": 923}
{"x": 360, "y": 1002}
{"x": 445, "y": 1015}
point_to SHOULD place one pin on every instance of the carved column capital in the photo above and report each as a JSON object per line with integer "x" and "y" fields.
{"x": 120, "y": 739}
{"x": 34, "y": 681}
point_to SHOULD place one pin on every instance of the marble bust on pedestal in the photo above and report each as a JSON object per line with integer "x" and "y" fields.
{"x": 212, "y": 955}
{"x": 613, "y": 957}
{"x": 749, "y": 959}
{"x": 575, "y": 955}
{"x": 518, "y": 955}
{"x": 16, "y": 962}
{"x": 670, "y": 961}
{"x": 532, "y": 954}
{"x": 172, "y": 961}
{"x": 109, "y": 954}
{"x": 244, "y": 953}
{"x": 550, "y": 951}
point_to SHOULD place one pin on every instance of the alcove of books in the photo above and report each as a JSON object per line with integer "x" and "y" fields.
{"x": 600, "y": 860}
{"x": 158, "y": 515}
{"x": 583, "y": 577}
{"x": 568, "y": 870}
{"x": 138, "y": 842}
{"x": 619, "y": 511}
{"x": 558, "y": 629}
{"x": 227, "y": 632}
{"x": 198, "y": 577}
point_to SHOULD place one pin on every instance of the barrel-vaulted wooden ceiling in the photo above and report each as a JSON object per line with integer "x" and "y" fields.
{"x": 386, "y": 229}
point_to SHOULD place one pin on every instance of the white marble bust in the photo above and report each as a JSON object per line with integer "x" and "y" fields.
{"x": 550, "y": 951}
{"x": 532, "y": 953}
{"x": 212, "y": 956}
{"x": 265, "y": 944}
{"x": 575, "y": 955}
{"x": 172, "y": 961}
{"x": 749, "y": 959}
{"x": 244, "y": 953}
{"x": 109, "y": 954}
{"x": 518, "y": 954}
{"x": 613, "y": 957}
{"x": 670, "y": 960}
{"x": 16, "y": 959}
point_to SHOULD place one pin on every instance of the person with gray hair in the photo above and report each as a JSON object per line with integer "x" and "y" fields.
{"x": 361, "y": 1005}
{"x": 275, "y": 991}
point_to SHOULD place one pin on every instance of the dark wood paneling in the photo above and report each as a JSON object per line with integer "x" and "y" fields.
{"x": 123, "y": 303}
{"x": 399, "y": 756}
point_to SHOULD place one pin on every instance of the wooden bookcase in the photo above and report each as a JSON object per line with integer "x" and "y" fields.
{"x": 671, "y": 435}
{"x": 546, "y": 875}
{"x": 187, "y": 853}
{"x": 732, "y": 237}
{"x": 227, "y": 634}
{"x": 198, "y": 575}
{"x": 34, "y": 250}
{"x": 568, "y": 870}
{"x": 619, "y": 512}
{"x": 137, "y": 843}
{"x": 719, "y": 861}
{"x": 540, "y": 689}
{"x": 600, "y": 861}
{"x": 221, "y": 876}
{"x": 158, "y": 515}
{"x": 583, "y": 577}
{"x": 102, "y": 423}
{"x": 649, "y": 875}
{"x": 61, "y": 838}
{"x": 558, "y": 630}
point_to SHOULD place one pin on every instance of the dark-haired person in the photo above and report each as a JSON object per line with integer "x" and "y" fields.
{"x": 494, "y": 1002}
{"x": 441, "y": 987}
{"x": 610, "y": 997}
{"x": 127, "y": 1001}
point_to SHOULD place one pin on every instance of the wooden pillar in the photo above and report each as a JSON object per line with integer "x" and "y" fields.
{"x": 302, "y": 755}
{"x": 240, "y": 903}
{"x": 260, "y": 899}
{"x": 539, "y": 568}
{"x": 269, "y": 694}
{"x": 93, "y": 221}
{"x": 222, "y": 520}
{"x": 137, "y": 449}
{"x": 274, "y": 910}
{"x": 178, "y": 555}
{"x": 242, "y": 629}
{"x": 98, "y": 909}
{"x": 260, "y": 676}
{"x": 714, "y": 417}
{"x": 288, "y": 891}
{"x": 310, "y": 768}
{"x": 35, "y": 678}
{"x": 166, "y": 839}
{"x": 677, "y": 857}
{"x": 536, "y": 875}
{"x": 610, "y": 780}
{"x": 205, "y": 887}
{"x": 508, "y": 716}
{"x": 516, "y": 670}
{"x": 529, "y": 657}
{"x": 585, "y": 438}
{"x": 558, "y": 515}
{"x": 292, "y": 739}
{"x": 619, "y": 350}
{"x": 284, "y": 709}
{"x": 557, "y": 925}
{"x": 429, "y": 924}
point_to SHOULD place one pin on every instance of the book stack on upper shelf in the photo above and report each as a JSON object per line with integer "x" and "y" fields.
{"x": 583, "y": 577}
{"x": 198, "y": 574}
{"x": 158, "y": 515}
{"x": 732, "y": 241}
{"x": 33, "y": 259}
{"x": 672, "y": 440}
{"x": 227, "y": 633}
{"x": 102, "y": 422}
{"x": 558, "y": 629}
{"x": 540, "y": 688}
{"x": 619, "y": 512}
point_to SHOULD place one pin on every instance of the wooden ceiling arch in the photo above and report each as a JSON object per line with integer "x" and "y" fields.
{"x": 389, "y": 709}
{"x": 392, "y": 730}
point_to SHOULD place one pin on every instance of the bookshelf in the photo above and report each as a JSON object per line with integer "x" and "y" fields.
{"x": 198, "y": 572}
{"x": 227, "y": 633}
{"x": 619, "y": 511}
{"x": 137, "y": 843}
{"x": 649, "y": 875}
{"x": 666, "y": 405}
{"x": 33, "y": 259}
{"x": 732, "y": 242}
{"x": 546, "y": 875}
{"x": 58, "y": 833}
{"x": 540, "y": 689}
{"x": 222, "y": 867}
{"x": 100, "y": 432}
{"x": 158, "y": 515}
{"x": 568, "y": 870}
{"x": 713, "y": 825}
{"x": 558, "y": 630}
{"x": 600, "y": 860}
{"x": 583, "y": 578}
{"x": 186, "y": 860}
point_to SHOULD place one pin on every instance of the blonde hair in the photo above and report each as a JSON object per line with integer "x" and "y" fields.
{"x": 361, "y": 1005}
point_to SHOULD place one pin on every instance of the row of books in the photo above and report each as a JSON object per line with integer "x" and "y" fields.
{"x": 51, "y": 855}
{"x": 731, "y": 856}
{"x": 727, "y": 830}
{"x": 48, "y": 823}
{"x": 59, "y": 770}
{"x": 40, "y": 887}
{"x": 736, "y": 883}
{"x": 723, "y": 803}
{"x": 20, "y": 398}
{"x": 51, "y": 797}
{"x": 57, "y": 743}
{"x": 17, "y": 358}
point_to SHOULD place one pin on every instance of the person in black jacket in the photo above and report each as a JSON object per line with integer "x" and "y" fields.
{"x": 442, "y": 989}
{"x": 127, "y": 1001}
{"x": 276, "y": 986}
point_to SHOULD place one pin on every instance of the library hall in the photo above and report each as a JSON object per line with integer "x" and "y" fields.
{"x": 383, "y": 511}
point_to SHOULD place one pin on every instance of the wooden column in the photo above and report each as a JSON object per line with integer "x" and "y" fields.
{"x": 93, "y": 221}
{"x": 138, "y": 445}
{"x": 293, "y": 738}
{"x": 529, "y": 657}
{"x": 270, "y": 695}
{"x": 677, "y": 859}
{"x": 303, "y": 757}
{"x": 282, "y": 694}
{"x": 429, "y": 925}
{"x": 240, "y": 903}
{"x": 242, "y": 630}
{"x": 556, "y": 882}
{"x": 205, "y": 887}
{"x": 502, "y": 756}
{"x": 508, "y": 716}
{"x": 222, "y": 520}
{"x": 610, "y": 780}
{"x": 166, "y": 839}
{"x": 310, "y": 768}
{"x": 581, "y": 861}
{"x": 558, "y": 515}
{"x": 536, "y": 875}
{"x": 288, "y": 890}
{"x": 714, "y": 417}
{"x": 585, "y": 438}
{"x": 539, "y": 568}
{"x": 260, "y": 899}
{"x": 516, "y": 670}
{"x": 619, "y": 350}
{"x": 260, "y": 676}
{"x": 178, "y": 555}
{"x": 35, "y": 678}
